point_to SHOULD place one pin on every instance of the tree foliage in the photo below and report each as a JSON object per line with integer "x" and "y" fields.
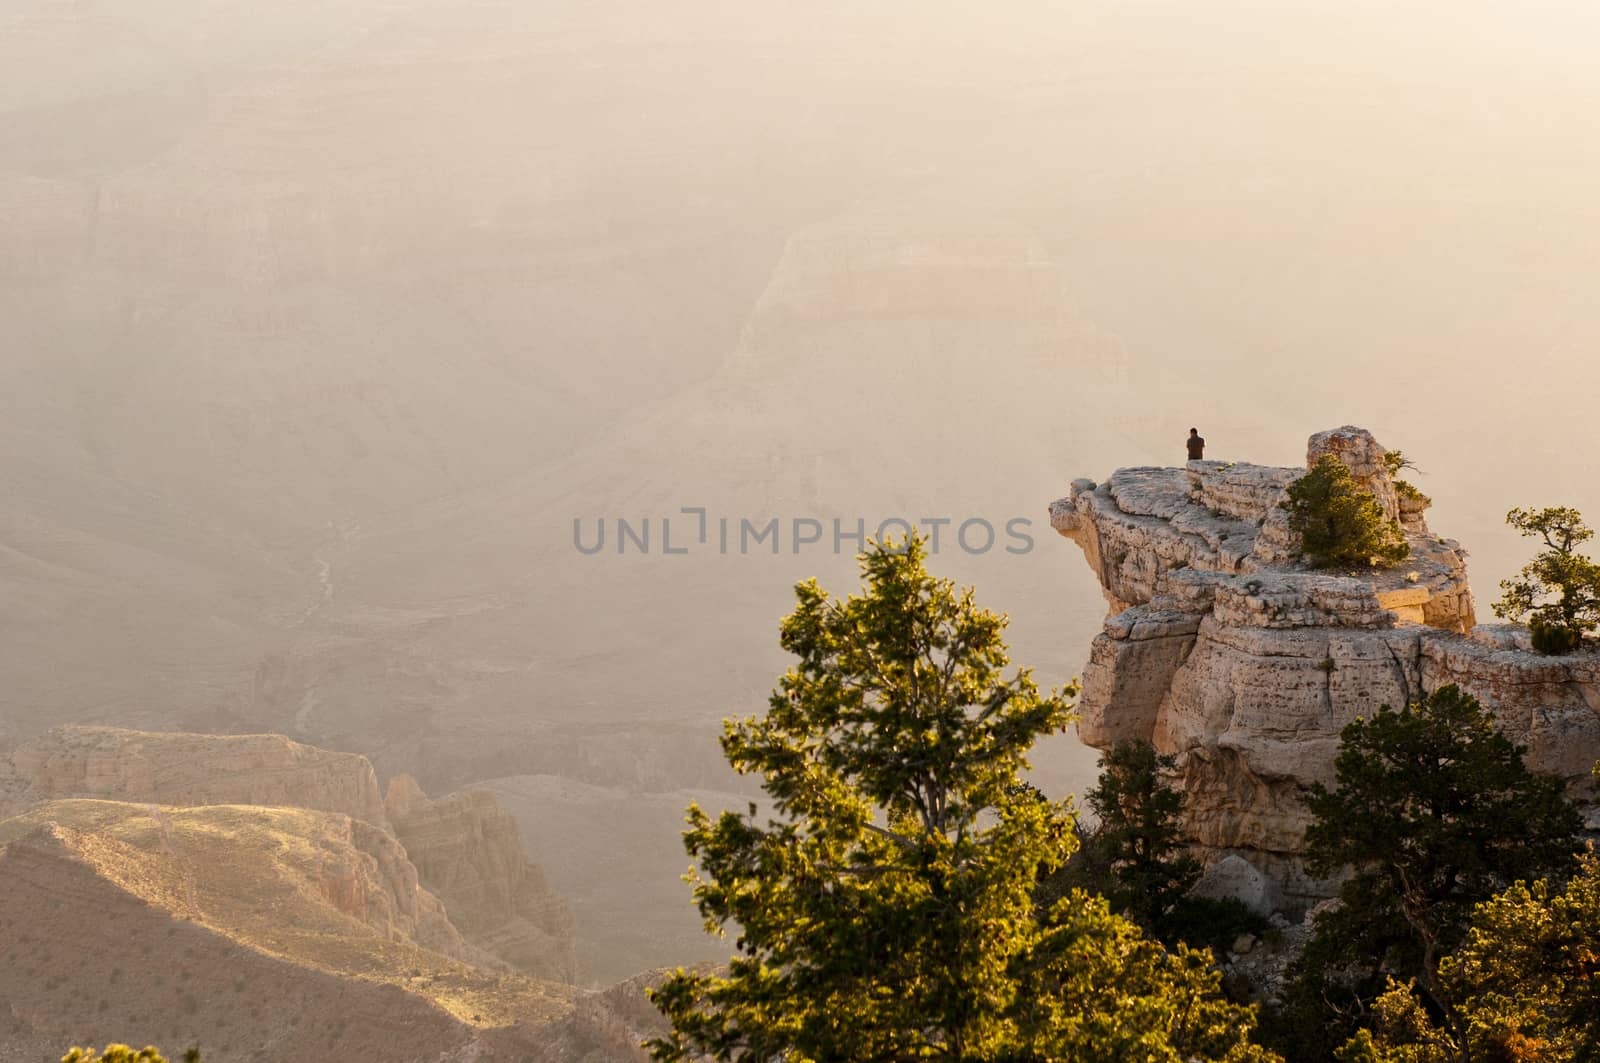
{"x": 1138, "y": 816}
{"x": 1087, "y": 868}
{"x": 1399, "y": 1031}
{"x": 887, "y": 911}
{"x": 124, "y": 1054}
{"x": 1339, "y": 522}
{"x": 1558, "y": 592}
{"x": 1526, "y": 981}
{"x": 1396, "y": 462}
{"x": 1435, "y": 811}
{"x": 1134, "y": 855}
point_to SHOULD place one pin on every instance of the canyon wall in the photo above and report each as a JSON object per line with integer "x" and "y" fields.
{"x": 451, "y": 874}
{"x": 470, "y": 852}
{"x": 1223, "y": 648}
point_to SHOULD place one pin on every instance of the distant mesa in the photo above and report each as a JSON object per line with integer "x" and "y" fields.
{"x": 1222, "y": 648}
{"x": 210, "y": 926}
{"x": 175, "y": 768}
{"x": 869, "y": 282}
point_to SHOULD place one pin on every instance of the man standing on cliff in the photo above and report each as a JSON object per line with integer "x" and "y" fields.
{"x": 1197, "y": 445}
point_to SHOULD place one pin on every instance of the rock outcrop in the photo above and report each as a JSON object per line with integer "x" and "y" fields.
{"x": 469, "y": 851}
{"x": 1222, "y": 648}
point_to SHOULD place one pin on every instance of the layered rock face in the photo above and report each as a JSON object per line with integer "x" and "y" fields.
{"x": 238, "y": 864}
{"x": 469, "y": 851}
{"x": 194, "y": 769}
{"x": 1223, "y": 649}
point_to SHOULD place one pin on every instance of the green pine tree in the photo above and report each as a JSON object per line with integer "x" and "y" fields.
{"x": 1135, "y": 855}
{"x": 1138, "y": 814}
{"x": 1558, "y": 592}
{"x": 887, "y": 913}
{"x": 1435, "y": 812}
{"x": 1340, "y": 523}
{"x": 1526, "y": 979}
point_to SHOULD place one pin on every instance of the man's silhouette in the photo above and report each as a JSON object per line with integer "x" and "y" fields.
{"x": 1197, "y": 445}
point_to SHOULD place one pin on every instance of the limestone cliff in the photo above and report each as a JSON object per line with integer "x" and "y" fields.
{"x": 1222, "y": 648}
{"x": 194, "y": 769}
{"x": 469, "y": 851}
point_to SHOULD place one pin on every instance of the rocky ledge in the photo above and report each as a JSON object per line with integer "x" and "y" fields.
{"x": 1223, "y": 648}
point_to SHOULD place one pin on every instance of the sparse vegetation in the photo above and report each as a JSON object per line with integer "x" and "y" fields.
{"x": 1341, "y": 524}
{"x": 1558, "y": 592}
{"x": 890, "y": 911}
{"x": 124, "y": 1054}
{"x": 1396, "y": 462}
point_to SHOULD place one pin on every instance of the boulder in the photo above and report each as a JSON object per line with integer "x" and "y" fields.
{"x": 1237, "y": 878}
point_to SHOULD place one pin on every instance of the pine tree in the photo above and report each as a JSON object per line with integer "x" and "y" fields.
{"x": 1558, "y": 592}
{"x": 1340, "y": 523}
{"x": 1435, "y": 812}
{"x": 887, "y": 912}
{"x": 1139, "y": 828}
{"x": 1527, "y": 982}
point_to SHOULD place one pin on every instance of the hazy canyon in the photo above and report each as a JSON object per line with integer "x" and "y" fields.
{"x": 324, "y": 322}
